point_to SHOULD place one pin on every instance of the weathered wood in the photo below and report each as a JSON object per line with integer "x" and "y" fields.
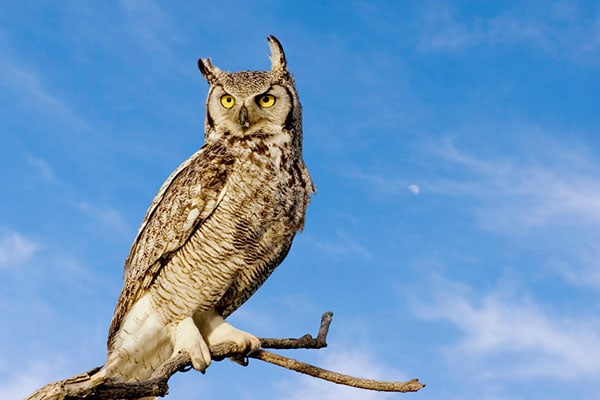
{"x": 92, "y": 385}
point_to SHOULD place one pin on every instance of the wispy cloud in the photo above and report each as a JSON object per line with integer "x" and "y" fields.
{"x": 540, "y": 193}
{"x": 583, "y": 269}
{"x": 379, "y": 184}
{"x": 29, "y": 88}
{"x": 444, "y": 31}
{"x": 544, "y": 196}
{"x": 20, "y": 381}
{"x": 559, "y": 29}
{"x": 341, "y": 245}
{"x": 16, "y": 249}
{"x": 507, "y": 334}
{"x": 106, "y": 216}
{"x": 149, "y": 24}
{"x": 557, "y": 184}
{"x": 42, "y": 167}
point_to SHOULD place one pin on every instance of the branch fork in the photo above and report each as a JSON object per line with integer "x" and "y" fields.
{"x": 81, "y": 386}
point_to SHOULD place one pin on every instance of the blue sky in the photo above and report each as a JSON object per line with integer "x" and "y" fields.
{"x": 456, "y": 152}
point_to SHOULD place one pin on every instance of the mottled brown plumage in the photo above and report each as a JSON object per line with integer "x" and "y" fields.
{"x": 218, "y": 226}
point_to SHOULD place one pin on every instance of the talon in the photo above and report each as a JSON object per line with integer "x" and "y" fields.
{"x": 241, "y": 360}
{"x": 185, "y": 368}
{"x": 216, "y": 331}
{"x": 188, "y": 339}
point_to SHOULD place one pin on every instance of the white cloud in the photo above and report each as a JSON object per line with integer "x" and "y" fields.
{"x": 541, "y": 184}
{"x": 556, "y": 185}
{"x": 148, "y": 22}
{"x": 22, "y": 380}
{"x": 106, "y": 216}
{"x": 15, "y": 249}
{"x": 560, "y": 29}
{"x": 26, "y": 83}
{"x": 42, "y": 168}
{"x": 504, "y": 334}
{"x": 341, "y": 245}
{"x": 378, "y": 184}
{"x": 543, "y": 197}
{"x": 443, "y": 31}
{"x": 583, "y": 269}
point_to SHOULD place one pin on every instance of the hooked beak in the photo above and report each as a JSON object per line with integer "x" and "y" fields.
{"x": 244, "y": 122}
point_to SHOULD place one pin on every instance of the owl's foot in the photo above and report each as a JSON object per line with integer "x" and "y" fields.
{"x": 188, "y": 339}
{"x": 216, "y": 331}
{"x": 245, "y": 342}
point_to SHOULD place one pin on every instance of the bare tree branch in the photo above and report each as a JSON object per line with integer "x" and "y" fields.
{"x": 305, "y": 342}
{"x": 335, "y": 377}
{"x": 85, "y": 386}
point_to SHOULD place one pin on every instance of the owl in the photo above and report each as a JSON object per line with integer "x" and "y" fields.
{"x": 217, "y": 228}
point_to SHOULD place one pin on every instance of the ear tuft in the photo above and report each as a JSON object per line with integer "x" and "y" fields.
{"x": 209, "y": 71}
{"x": 278, "y": 62}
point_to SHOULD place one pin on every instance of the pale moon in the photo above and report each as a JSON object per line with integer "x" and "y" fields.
{"x": 414, "y": 189}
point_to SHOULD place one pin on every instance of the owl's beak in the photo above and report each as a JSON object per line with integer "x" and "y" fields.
{"x": 244, "y": 122}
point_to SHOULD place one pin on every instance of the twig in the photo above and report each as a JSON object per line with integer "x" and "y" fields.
{"x": 305, "y": 342}
{"x": 335, "y": 377}
{"x": 83, "y": 386}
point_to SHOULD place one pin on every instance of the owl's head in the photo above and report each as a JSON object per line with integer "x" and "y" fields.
{"x": 252, "y": 102}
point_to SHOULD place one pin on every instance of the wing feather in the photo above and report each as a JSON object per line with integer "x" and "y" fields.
{"x": 185, "y": 200}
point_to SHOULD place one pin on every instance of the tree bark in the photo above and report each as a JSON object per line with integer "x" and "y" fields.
{"x": 85, "y": 386}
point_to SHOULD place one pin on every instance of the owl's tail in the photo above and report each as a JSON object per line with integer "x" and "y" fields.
{"x": 131, "y": 357}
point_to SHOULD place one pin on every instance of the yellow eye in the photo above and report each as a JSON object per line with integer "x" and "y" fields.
{"x": 266, "y": 100}
{"x": 227, "y": 101}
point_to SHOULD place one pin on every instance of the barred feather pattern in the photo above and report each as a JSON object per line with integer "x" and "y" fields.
{"x": 250, "y": 210}
{"x": 219, "y": 225}
{"x": 238, "y": 246}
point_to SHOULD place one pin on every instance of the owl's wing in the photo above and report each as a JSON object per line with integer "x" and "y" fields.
{"x": 184, "y": 201}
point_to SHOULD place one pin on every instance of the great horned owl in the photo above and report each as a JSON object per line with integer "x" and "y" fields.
{"x": 218, "y": 226}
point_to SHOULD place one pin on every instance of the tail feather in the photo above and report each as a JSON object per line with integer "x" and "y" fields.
{"x": 140, "y": 346}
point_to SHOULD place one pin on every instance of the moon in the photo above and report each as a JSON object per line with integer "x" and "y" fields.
{"x": 414, "y": 189}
